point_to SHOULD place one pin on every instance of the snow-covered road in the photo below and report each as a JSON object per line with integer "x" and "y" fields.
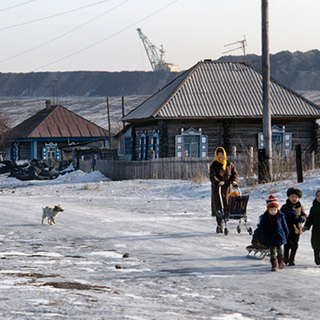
{"x": 178, "y": 267}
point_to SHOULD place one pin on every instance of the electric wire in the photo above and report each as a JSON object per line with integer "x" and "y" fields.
{"x": 64, "y": 34}
{"x": 17, "y": 5}
{"x": 107, "y": 38}
{"x": 52, "y": 16}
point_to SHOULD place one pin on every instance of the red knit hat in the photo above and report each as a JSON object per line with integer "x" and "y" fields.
{"x": 272, "y": 202}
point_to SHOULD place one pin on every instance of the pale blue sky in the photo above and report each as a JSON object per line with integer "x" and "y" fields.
{"x": 102, "y": 35}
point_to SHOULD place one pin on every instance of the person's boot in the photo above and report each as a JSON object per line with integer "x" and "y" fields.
{"x": 274, "y": 265}
{"x": 292, "y": 256}
{"x": 286, "y": 254}
{"x": 317, "y": 257}
{"x": 281, "y": 262}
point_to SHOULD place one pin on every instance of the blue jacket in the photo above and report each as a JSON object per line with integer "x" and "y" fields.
{"x": 273, "y": 230}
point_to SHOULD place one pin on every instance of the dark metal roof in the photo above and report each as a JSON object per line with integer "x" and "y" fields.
{"x": 214, "y": 89}
{"x": 57, "y": 122}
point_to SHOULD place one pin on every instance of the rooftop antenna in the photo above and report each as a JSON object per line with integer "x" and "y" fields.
{"x": 243, "y": 44}
{"x": 54, "y": 85}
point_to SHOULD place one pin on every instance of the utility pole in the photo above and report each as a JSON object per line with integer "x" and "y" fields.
{"x": 123, "y": 112}
{"x": 267, "y": 135}
{"x": 109, "y": 124}
{"x": 57, "y": 93}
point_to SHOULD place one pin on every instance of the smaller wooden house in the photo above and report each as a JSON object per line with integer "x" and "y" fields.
{"x": 124, "y": 143}
{"x": 43, "y": 135}
{"x": 218, "y": 104}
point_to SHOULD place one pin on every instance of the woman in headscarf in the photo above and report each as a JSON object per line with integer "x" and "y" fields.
{"x": 223, "y": 174}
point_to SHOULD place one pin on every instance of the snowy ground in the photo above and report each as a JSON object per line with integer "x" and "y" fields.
{"x": 178, "y": 267}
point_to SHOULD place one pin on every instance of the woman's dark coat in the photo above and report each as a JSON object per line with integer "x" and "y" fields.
{"x": 217, "y": 174}
{"x": 273, "y": 230}
{"x": 293, "y": 221}
{"x": 314, "y": 221}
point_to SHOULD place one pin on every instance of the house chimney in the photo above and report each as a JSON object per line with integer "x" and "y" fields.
{"x": 48, "y": 105}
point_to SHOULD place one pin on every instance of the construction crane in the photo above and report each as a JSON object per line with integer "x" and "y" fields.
{"x": 156, "y": 55}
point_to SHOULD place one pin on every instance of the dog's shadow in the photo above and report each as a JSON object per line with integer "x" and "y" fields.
{"x": 22, "y": 225}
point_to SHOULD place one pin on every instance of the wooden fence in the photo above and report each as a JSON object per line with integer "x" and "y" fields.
{"x": 190, "y": 168}
{"x": 164, "y": 168}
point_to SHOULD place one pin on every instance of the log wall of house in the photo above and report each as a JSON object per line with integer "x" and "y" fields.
{"x": 304, "y": 133}
{"x": 24, "y": 150}
{"x": 241, "y": 133}
{"x": 244, "y": 134}
{"x": 40, "y": 145}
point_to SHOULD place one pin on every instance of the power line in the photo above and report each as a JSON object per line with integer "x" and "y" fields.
{"x": 64, "y": 34}
{"x": 17, "y": 5}
{"x": 53, "y": 16}
{"x": 107, "y": 38}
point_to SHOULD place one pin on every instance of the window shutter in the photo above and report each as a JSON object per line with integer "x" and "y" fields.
{"x": 203, "y": 146}
{"x": 157, "y": 146}
{"x": 142, "y": 147}
{"x": 287, "y": 143}
{"x": 179, "y": 146}
{"x": 15, "y": 152}
{"x": 260, "y": 140}
{"x": 44, "y": 153}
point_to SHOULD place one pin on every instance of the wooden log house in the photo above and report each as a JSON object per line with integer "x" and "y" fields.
{"x": 217, "y": 104}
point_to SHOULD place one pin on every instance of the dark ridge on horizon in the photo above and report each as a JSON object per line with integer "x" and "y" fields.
{"x": 298, "y": 70}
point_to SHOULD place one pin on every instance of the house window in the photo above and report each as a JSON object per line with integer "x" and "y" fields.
{"x": 50, "y": 152}
{"x": 191, "y": 146}
{"x": 277, "y": 141}
{"x": 124, "y": 146}
{"x": 281, "y": 140}
{"x": 191, "y": 143}
{"x": 143, "y": 146}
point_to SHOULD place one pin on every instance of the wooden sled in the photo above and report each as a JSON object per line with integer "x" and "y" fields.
{"x": 258, "y": 253}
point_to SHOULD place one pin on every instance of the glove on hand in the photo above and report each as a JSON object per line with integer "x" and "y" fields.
{"x": 300, "y": 219}
{"x": 304, "y": 229}
{"x": 290, "y": 214}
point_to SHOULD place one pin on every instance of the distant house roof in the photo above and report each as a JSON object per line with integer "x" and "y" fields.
{"x": 57, "y": 122}
{"x": 122, "y": 131}
{"x": 214, "y": 89}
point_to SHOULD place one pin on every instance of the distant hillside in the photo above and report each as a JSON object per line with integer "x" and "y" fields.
{"x": 82, "y": 83}
{"x": 297, "y": 70}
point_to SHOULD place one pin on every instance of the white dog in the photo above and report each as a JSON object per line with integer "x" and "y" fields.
{"x": 51, "y": 213}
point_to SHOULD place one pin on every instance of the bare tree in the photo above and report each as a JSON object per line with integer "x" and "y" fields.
{"x": 5, "y": 127}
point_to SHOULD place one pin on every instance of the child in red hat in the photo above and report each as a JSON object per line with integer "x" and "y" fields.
{"x": 273, "y": 232}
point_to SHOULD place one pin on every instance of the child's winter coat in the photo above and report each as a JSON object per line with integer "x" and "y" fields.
{"x": 314, "y": 221}
{"x": 273, "y": 229}
{"x": 295, "y": 216}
